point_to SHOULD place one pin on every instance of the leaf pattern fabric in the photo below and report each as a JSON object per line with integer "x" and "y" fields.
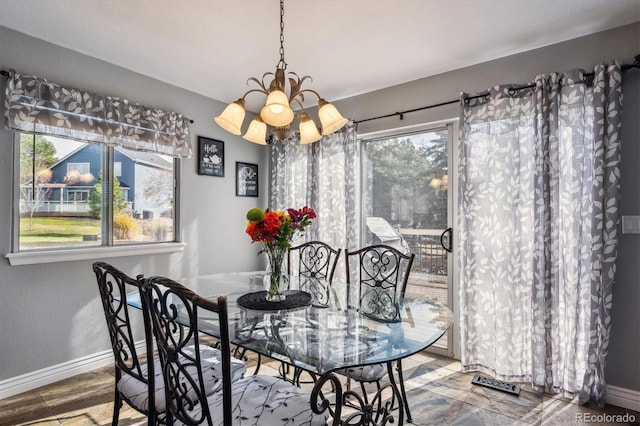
{"x": 539, "y": 178}
{"x": 365, "y": 373}
{"x": 136, "y": 391}
{"x": 38, "y": 106}
{"x": 262, "y": 400}
{"x": 323, "y": 175}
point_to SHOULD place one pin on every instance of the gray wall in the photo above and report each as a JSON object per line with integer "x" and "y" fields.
{"x": 50, "y": 313}
{"x": 621, "y": 43}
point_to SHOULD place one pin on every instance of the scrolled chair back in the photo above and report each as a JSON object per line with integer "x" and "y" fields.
{"x": 313, "y": 259}
{"x": 381, "y": 273}
{"x": 112, "y": 284}
{"x": 135, "y": 378}
{"x": 173, "y": 309}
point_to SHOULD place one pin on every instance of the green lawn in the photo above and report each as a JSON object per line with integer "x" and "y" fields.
{"x": 56, "y": 231}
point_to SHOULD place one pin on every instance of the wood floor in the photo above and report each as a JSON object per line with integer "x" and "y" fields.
{"x": 438, "y": 393}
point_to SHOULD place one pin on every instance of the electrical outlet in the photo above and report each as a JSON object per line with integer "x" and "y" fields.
{"x": 631, "y": 224}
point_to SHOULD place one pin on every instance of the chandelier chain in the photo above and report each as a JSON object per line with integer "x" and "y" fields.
{"x": 282, "y": 64}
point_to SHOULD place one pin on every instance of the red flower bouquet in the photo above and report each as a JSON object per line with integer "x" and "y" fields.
{"x": 275, "y": 230}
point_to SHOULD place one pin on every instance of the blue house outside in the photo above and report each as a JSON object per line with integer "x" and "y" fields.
{"x": 75, "y": 175}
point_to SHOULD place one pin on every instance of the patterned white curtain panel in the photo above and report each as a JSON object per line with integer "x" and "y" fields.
{"x": 38, "y": 106}
{"x": 323, "y": 175}
{"x": 539, "y": 178}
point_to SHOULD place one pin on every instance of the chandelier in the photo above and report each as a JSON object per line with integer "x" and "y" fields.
{"x": 276, "y": 116}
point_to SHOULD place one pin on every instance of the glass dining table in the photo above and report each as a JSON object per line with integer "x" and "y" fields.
{"x": 328, "y": 333}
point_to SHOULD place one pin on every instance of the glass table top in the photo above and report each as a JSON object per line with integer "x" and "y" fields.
{"x": 330, "y": 334}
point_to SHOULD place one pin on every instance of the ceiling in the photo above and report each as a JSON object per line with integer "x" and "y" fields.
{"x": 349, "y": 47}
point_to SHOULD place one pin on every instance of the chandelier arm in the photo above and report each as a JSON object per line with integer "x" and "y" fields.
{"x": 308, "y": 90}
{"x": 301, "y": 79}
{"x": 275, "y": 77}
{"x": 264, "y": 92}
{"x": 296, "y": 84}
{"x": 299, "y": 103}
{"x": 258, "y": 82}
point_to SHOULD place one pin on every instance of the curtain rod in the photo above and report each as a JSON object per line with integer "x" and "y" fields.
{"x": 6, "y": 74}
{"x": 624, "y": 67}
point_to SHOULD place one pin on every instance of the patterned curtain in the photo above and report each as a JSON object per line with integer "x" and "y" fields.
{"x": 35, "y": 105}
{"x": 539, "y": 176}
{"x": 323, "y": 175}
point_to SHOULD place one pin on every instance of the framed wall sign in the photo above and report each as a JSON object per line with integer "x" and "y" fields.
{"x": 246, "y": 179}
{"x": 210, "y": 157}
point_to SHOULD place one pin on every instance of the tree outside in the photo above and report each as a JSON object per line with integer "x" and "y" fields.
{"x": 403, "y": 172}
{"x": 406, "y": 186}
{"x": 95, "y": 198}
{"x": 158, "y": 188}
{"x": 37, "y": 154}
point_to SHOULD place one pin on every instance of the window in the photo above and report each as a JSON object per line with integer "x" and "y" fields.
{"x": 135, "y": 204}
{"x": 78, "y": 196}
{"x": 64, "y": 200}
{"x": 406, "y": 185}
{"x": 77, "y": 169}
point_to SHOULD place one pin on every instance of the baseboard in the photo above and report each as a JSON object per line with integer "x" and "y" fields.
{"x": 621, "y": 397}
{"x": 46, "y": 376}
{"x": 625, "y": 398}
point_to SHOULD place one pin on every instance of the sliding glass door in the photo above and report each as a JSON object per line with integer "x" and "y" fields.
{"x": 406, "y": 203}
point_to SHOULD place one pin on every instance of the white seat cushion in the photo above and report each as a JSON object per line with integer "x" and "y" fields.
{"x": 264, "y": 401}
{"x": 135, "y": 391}
{"x": 366, "y": 373}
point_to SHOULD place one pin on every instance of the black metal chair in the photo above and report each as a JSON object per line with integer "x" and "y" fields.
{"x": 314, "y": 262}
{"x": 381, "y": 273}
{"x": 138, "y": 382}
{"x": 313, "y": 259}
{"x": 114, "y": 286}
{"x": 174, "y": 312}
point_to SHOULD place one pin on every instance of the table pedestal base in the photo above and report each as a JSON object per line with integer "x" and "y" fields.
{"x": 385, "y": 407}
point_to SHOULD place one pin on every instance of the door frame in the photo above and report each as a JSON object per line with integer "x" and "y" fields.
{"x": 452, "y": 126}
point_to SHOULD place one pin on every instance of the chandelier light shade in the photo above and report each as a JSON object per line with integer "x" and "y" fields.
{"x": 257, "y": 132}
{"x": 276, "y": 111}
{"x": 232, "y": 117}
{"x": 276, "y": 116}
{"x": 308, "y": 130}
{"x": 330, "y": 118}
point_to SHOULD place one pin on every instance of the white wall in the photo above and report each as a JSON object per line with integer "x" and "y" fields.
{"x": 51, "y": 313}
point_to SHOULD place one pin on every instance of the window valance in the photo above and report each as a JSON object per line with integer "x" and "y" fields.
{"x": 35, "y": 105}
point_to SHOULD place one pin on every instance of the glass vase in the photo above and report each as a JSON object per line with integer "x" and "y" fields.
{"x": 276, "y": 280}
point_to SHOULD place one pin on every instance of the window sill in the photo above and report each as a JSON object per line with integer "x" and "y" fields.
{"x": 50, "y": 256}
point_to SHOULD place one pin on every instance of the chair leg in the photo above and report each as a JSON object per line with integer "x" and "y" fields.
{"x": 241, "y": 353}
{"x": 284, "y": 372}
{"x": 364, "y": 393}
{"x": 379, "y": 409}
{"x": 402, "y": 390}
{"x": 296, "y": 376}
{"x": 258, "y": 365}
{"x": 297, "y": 373}
{"x": 117, "y": 404}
